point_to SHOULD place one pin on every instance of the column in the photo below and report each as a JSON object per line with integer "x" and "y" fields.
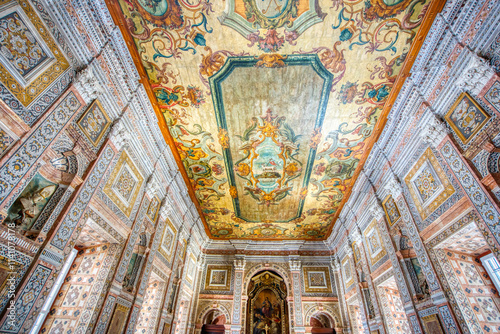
{"x": 362, "y": 303}
{"x": 339, "y": 284}
{"x": 366, "y": 268}
{"x": 239, "y": 272}
{"x": 295, "y": 266}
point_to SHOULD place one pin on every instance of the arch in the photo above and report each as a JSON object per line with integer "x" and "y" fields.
{"x": 207, "y": 309}
{"x": 331, "y": 314}
{"x": 267, "y": 305}
{"x": 261, "y": 267}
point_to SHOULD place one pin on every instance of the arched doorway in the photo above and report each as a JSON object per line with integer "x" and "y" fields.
{"x": 267, "y": 308}
{"x": 321, "y": 323}
{"x": 214, "y": 323}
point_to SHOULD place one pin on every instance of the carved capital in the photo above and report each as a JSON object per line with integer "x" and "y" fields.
{"x": 356, "y": 235}
{"x": 294, "y": 265}
{"x": 119, "y": 134}
{"x": 87, "y": 85}
{"x": 239, "y": 264}
{"x": 475, "y": 76}
{"x": 152, "y": 186}
{"x": 376, "y": 211}
{"x": 348, "y": 248}
{"x": 166, "y": 208}
{"x": 335, "y": 264}
{"x": 394, "y": 187}
{"x": 433, "y": 131}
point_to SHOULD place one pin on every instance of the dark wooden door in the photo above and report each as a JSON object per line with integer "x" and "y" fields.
{"x": 212, "y": 329}
{"x": 323, "y": 330}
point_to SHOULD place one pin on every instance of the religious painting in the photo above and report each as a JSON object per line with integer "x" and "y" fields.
{"x": 267, "y": 313}
{"x": 317, "y": 279}
{"x": 168, "y": 241}
{"x": 432, "y": 325}
{"x": 374, "y": 243}
{"x": 94, "y": 123}
{"x": 267, "y": 304}
{"x": 218, "y": 278}
{"x": 391, "y": 210}
{"x": 428, "y": 184}
{"x": 26, "y": 209}
{"x": 466, "y": 117}
{"x": 124, "y": 184}
{"x": 153, "y": 208}
{"x": 119, "y": 319}
{"x": 30, "y": 59}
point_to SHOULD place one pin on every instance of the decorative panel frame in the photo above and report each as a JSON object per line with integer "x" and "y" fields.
{"x": 26, "y": 89}
{"x": 374, "y": 242}
{"x": 211, "y": 269}
{"x": 124, "y": 165}
{"x": 309, "y": 285}
{"x": 152, "y": 212}
{"x": 94, "y": 123}
{"x": 446, "y": 189}
{"x": 391, "y": 210}
{"x": 467, "y": 117}
{"x": 168, "y": 234}
{"x": 348, "y": 277}
{"x": 191, "y": 268}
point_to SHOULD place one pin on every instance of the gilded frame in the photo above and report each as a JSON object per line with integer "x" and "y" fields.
{"x": 313, "y": 289}
{"x": 447, "y": 117}
{"x": 93, "y": 105}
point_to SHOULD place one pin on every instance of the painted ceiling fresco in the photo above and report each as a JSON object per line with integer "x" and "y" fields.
{"x": 270, "y": 104}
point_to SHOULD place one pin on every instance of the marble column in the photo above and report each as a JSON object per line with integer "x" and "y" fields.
{"x": 295, "y": 266}
{"x": 339, "y": 284}
{"x": 239, "y": 274}
{"x": 366, "y": 269}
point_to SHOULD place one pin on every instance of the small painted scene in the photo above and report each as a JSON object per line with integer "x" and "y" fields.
{"x": 26, "y": 209}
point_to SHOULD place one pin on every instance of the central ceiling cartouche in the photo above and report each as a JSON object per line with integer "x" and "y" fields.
{"x": 271, "y": 105}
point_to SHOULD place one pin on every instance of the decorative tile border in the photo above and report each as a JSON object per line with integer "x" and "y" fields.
{"x": 25, "y": 156}
{"x": 105, "y": 315}
{"x": 481, "y": 202}
{"x": 26, "y": 299}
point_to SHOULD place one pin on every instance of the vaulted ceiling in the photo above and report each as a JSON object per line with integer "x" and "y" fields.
{"x": 272, "y": 106}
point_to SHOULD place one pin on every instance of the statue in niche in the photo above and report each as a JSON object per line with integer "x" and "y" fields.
{"x": 26, "y": 209}
{"x": 135, "y": 264}
{"x": 422, "y": 281}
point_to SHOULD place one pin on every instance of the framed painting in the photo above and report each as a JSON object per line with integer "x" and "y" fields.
{"x": 466, "y": 118}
